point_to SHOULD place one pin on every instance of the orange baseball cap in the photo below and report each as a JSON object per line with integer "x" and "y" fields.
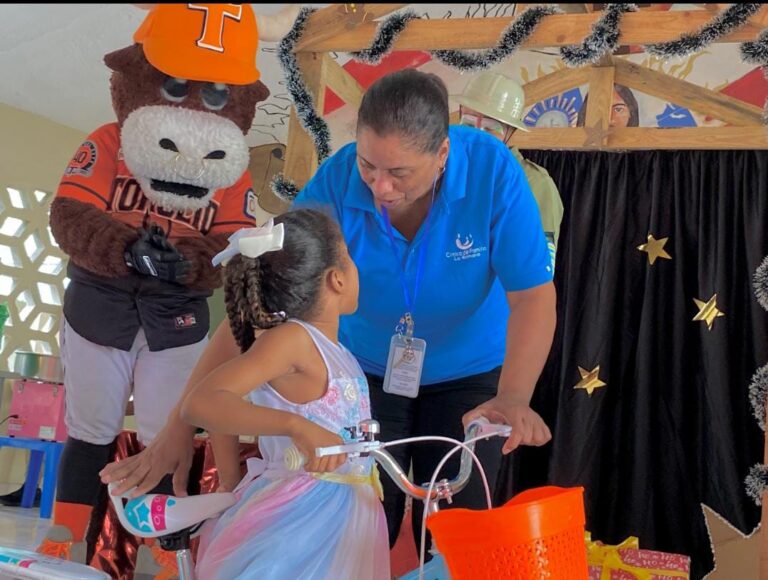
{"x": 202, "y": 42}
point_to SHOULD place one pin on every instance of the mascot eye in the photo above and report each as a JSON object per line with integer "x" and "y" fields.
{"x": 215, "y": 96}
{"x": 175, "y": 90}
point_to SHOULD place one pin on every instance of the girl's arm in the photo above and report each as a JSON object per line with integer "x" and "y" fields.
{"x": 217, "y": 402}
{"x": 226, "y": 455}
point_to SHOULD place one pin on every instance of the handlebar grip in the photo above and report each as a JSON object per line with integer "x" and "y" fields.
{"x": 485, "y": 427}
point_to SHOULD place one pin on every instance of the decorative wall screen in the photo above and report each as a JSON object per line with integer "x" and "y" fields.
{"x": 32, "y": 274}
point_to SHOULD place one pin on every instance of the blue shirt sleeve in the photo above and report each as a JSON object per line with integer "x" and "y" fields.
{"x": 519, "y": 252}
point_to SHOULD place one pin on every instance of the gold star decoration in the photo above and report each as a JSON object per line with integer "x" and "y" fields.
{"x": 655, "y": 249}
{"x": 589, "y": 380}
{"x": 708, "y": 311}
{"x": 595, "y": 135}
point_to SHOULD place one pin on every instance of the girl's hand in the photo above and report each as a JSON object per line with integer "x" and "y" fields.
{"x": 307, "y": 436}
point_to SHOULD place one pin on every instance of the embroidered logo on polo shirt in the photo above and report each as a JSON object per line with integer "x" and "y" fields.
{"x": 467, "y": 248}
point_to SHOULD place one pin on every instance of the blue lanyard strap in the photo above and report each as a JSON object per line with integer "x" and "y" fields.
{"x": 410, "y": 299}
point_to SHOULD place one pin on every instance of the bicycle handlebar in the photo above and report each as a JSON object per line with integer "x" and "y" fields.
{"x": 480, "y": 428}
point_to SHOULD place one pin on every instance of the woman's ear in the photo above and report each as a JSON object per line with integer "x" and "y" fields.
{"x": 442, "y": 153}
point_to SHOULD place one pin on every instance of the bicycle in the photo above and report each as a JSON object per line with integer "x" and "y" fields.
{"x": 175, "y": 521}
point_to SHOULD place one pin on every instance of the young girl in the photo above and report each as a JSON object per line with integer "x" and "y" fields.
{"x": 325, "y": 521}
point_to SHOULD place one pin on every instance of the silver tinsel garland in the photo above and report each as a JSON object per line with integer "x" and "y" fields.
{"x": 758, "y": 390}
{"x": 756, "y": 482}
{"x": 733, "y": 17}
{"x": 312, "y": 122}
{"x": 386, "y": 33}
{"x": 760, "y": 283}
{"x": 756, "y": 52}
{"x": 603, "y": 40}
{"x": 511, "y": 39}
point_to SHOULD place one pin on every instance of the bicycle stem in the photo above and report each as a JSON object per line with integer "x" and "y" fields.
{"x": 445, "y": 489}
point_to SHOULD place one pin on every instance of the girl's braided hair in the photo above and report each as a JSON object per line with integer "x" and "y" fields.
{"x": 263, "y": 292}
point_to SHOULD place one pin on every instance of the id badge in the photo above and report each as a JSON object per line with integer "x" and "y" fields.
{"x": 406, "y": 359}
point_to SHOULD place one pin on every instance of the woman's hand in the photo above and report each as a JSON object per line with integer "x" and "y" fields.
{"x": 528, "y": 428}
{"x": 170, "y": 452}
{"x": 308, "y": 436}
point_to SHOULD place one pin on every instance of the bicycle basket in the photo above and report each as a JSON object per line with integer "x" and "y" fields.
{"x": 538, "y": 534}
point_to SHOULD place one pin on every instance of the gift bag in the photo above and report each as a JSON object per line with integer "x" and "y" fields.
{"x": 627, "y": 561}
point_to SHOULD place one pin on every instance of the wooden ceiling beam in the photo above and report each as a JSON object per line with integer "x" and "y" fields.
{"x": 645, "y": 138}
{"x": 555, "y": 83}
{"x": 332, "y": 20}
{"x": 555, "y": 30}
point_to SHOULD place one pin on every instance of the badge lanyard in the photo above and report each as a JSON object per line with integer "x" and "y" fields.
{"x": 406, "y": 323}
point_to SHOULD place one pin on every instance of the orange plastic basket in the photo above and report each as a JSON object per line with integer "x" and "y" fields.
{"x": 537, "y": 534}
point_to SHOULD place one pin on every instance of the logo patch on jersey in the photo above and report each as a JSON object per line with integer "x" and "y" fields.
{"x": 83, "y": 161}
{"x": 251, "y": 204}
{"x": 185, "y": 321}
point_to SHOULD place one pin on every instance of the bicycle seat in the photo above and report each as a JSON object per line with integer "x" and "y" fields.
{"x": 154, "y": 515}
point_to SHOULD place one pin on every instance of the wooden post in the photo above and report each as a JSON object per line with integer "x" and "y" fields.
{"x": 300, "y": 156}
{"x": 600, "y": 101}
{"x": 343, "y": 84}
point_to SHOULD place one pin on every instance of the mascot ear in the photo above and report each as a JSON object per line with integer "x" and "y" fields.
{"x": 125, "y": 58}
{"x": 259, "y": 91}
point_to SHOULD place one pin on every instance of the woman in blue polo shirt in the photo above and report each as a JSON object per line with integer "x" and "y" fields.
{"x": 457, "y": 307}
{"x": 450, "y": 249}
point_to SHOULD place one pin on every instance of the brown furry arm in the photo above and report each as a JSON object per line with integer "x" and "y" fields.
{"x": 91, "y": 238}
{"x": 200, "y": 251}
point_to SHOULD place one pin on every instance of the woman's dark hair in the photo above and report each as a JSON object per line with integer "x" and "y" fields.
{"x": 409, "y": 103}
{"x": 627, "y": 96}
{"x": 262, "y": 292}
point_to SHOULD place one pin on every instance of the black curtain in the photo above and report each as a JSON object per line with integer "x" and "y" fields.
{"x": 673, "y": 427}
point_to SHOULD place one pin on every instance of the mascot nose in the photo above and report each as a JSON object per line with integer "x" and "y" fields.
{"x": 187, "y": 168}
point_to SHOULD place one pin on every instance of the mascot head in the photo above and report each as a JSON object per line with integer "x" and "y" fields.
{"x": 185, "y": 95}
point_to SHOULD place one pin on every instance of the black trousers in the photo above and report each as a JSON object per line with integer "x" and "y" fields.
{"x": 436, "y": 411}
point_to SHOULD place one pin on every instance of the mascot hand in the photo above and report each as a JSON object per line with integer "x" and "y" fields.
{"x": 153, "y": 255}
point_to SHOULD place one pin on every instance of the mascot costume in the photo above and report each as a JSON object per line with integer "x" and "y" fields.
{"x": 143, "y": 206}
